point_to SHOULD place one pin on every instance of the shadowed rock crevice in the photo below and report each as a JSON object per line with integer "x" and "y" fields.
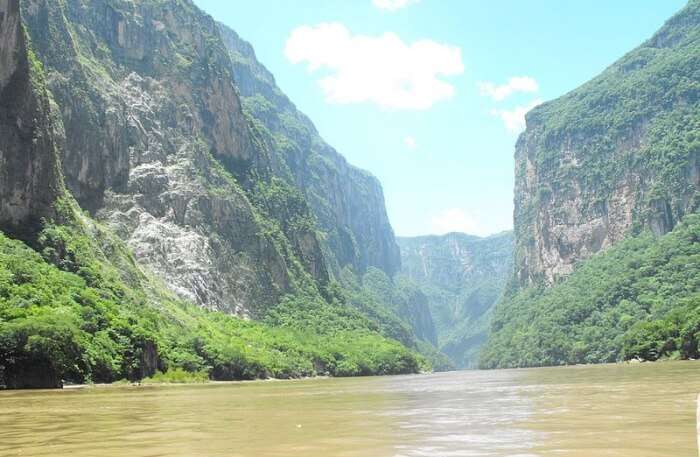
{"x": 30, "y": 178}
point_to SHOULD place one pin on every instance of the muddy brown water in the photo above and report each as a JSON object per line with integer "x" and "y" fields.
{"x": 644, "y": 410}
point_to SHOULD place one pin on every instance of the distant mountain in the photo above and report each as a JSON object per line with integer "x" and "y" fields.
{"x": 462, "y": 277}
{"x": 616, "y": 159}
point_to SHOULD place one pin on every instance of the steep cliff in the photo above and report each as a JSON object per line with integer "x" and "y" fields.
{"x": 158, "y": 148}
{"x": 401, "y": 308}
{"x": 348, "y": 202}
{"x": 404, "y": 299}
{"x": 30, "y": 178}
{"x": 638, "y": 299}
{"x": 144, "y": 193}
{"x": 462, "y": 277}
{"x": 619, "y": 154}
{"x": 154, "y": 131}
{"x": 606, "y": 226}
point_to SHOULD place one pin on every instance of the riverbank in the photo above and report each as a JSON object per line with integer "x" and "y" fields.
{"x": 175, "y": 379}
{"x": 141, "y": 384}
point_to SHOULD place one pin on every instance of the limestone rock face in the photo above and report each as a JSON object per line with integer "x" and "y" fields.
{"x": 154, "y": 142}
{"x": 452, "y": 261}
{"x": 415, "y": 309}
{"x": 30, "y": 177}
{"x": 157, "y": 147}
{"x": 347, "y": 202}
{"x": 91, "y": 49}
{"x": 618, "y": 155}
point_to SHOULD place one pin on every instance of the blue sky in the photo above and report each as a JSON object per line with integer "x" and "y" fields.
{"x": 428, "y": 95}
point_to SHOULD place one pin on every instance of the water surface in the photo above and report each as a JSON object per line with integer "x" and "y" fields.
{"x": 645, "y": 410}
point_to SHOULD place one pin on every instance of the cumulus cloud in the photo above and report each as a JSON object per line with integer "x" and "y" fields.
{"x": 456, "y": 220}
{"x": 410, "y": 142}
{"x": 383, "y": 70}
{"x": 392, "y": 5}
{"x": 514, "y": 120}
{"x": 514, "y": 84}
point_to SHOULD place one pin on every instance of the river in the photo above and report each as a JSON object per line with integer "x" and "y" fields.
{"x": 643, "y": 410}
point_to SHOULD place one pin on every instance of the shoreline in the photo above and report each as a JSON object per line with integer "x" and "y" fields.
{"x": 114, "y": 385}
{"x": 632, "y": 362}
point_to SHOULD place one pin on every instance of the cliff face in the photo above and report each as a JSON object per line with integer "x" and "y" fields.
{"x": 453, "y": 260}
{"x": 154, "y": 132}
{"x": 159, "y": 147}
{"x": 129, "y": 166}
{"x": 619, "y": 154}
{"x": 151, "y": 120}
{"x": 30, "y": 173}
{"x": 348, "y": 202}
{"x": 462, "y": 277}
{"x": 414, "y": 308}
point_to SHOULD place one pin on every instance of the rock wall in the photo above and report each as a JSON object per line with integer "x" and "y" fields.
{"x": 414, "y": 308}
{"x": 347, "y": 202}
{"x": 452, "y": 261}
{"x": 616, "y": 156}
{"x": 156, "y": 144}
{"x": 30, "y": 177}
{"x": 157, "y": 147}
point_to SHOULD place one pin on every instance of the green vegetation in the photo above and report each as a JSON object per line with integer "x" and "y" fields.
{"x": 177, "y": 376}
{"x": 652, "y": 92}
{"x": 351, "y": 233}
{"x": 640, "y": 298}
{"x": 81, "y": 311}
{"x": 74, "y": 303}
{"x": 398, "y": 308}
{"x": 626, "y": 142}
{"x": 634, "y": 129}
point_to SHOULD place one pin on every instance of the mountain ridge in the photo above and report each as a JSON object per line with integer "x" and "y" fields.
{"x": 357, "y": 234}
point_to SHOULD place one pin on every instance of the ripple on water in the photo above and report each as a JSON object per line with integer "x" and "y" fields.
{"x": 620, "y": 411}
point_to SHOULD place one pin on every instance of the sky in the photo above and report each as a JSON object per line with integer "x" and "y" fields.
{"x": 430, "y": 95}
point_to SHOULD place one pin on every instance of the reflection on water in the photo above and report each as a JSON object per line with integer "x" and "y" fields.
{"x": 639, "y": 410}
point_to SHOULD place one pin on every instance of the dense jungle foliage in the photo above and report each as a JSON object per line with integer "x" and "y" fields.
{"x": 638, "y": 299}
{"x": 89, "y": 321}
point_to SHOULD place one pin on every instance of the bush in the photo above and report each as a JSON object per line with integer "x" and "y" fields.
{"x": 177, "y": 376}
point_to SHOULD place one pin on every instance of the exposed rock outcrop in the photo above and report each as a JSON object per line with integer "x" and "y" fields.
{"x": 617, "y": 155}
{"x": 414, "y": 308}
{"x": 348, "y": 202}
{"x": 158, "y": 147}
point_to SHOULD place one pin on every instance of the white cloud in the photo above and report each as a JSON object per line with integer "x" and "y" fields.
{"x": 514, "y": 120}
{"x": 392, "y": 5}
{"x": 375, "y": 69}
{"x": 410, "y": 142}
{"x": 456, "y": 220}
{"x": 514, "y": 84}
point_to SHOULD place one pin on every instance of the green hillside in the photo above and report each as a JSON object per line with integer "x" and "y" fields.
{"x": 638, "y": 299}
